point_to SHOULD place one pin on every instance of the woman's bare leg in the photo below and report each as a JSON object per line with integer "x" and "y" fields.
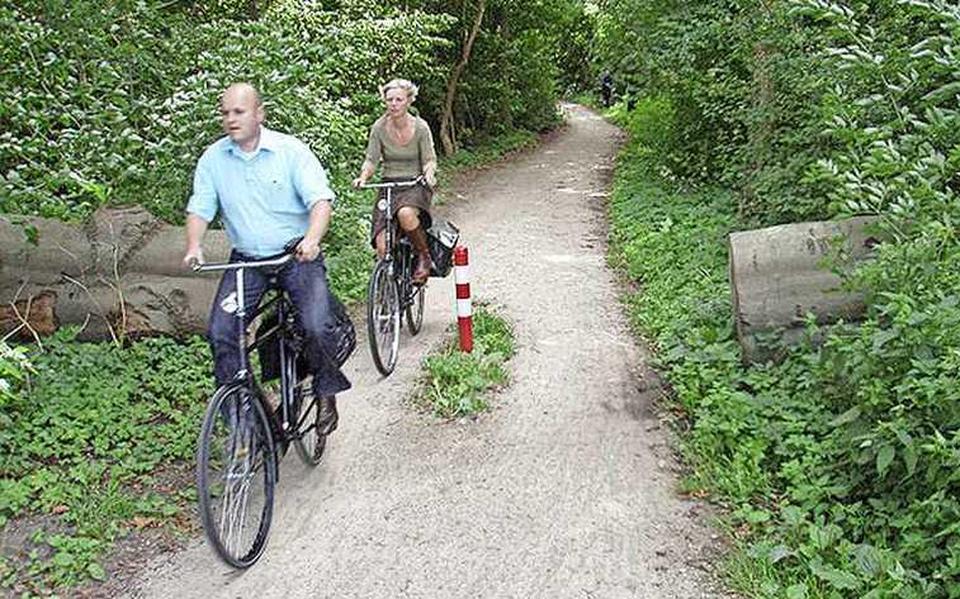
{"x": 381, "y": 243}
{"x": 409, "y": 218}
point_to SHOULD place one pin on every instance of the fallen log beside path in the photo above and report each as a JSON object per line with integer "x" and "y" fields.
{"x": 779, "y": 275}
{"x": 120, "y": 275}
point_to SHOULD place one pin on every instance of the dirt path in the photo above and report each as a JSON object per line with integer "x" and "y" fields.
{"x": 565, "y": 489}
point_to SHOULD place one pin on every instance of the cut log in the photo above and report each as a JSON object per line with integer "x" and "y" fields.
{"x": 780, "y": 274}
{"x": 118, "y": 275}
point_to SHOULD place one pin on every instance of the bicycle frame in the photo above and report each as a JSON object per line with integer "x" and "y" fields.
{"x": 243, "y": 376}
{"x": 387, "y": 207}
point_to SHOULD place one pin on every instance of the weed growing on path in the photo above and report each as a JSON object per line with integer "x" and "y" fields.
{"x": 455, "y": 383}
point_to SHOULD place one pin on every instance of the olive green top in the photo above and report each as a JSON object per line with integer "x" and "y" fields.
{"x": 401, "y": 161}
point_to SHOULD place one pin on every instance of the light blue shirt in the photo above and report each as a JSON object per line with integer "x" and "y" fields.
{"x": 263, "y": 197}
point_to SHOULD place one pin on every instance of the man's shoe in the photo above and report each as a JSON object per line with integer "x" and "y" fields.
{"x": 327, "y": 416}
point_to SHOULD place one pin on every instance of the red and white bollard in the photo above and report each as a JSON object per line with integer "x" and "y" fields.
{"x": 461, "y": 275}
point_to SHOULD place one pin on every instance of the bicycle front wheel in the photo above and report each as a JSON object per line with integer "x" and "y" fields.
{"x": 383, "y": 318}
{"x": 236, "y": 475}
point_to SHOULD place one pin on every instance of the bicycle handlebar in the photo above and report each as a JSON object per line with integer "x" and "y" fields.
{"x": 394, "y": 184}
{"x": 198, "y": 266}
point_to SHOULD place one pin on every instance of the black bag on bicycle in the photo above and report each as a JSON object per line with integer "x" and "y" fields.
{"x": 343, "y": 331}
{"x": 442, "y": 237}
{"x": 268, "y": 350}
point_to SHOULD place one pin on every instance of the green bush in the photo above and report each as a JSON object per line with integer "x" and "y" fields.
{"x": 839, "y": 463}
{"x": 99, "y": 425}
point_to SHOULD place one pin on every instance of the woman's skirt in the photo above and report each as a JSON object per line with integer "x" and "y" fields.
{"x": 420, "y": 196}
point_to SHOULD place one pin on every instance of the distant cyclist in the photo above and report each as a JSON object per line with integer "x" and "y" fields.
{"x": 268, "y": 188}
{"x": 403, "y": 144}
{"x": 606, "y": 88}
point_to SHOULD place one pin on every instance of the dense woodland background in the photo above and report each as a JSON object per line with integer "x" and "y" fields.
{"x": 838, "y": 466}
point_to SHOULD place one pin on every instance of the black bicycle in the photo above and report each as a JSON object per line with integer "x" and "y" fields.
{"x": 391, "y": 291}
{"x": 243, "y": 437}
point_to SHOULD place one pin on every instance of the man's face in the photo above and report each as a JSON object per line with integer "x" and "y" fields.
{"x": 241, "y": 116}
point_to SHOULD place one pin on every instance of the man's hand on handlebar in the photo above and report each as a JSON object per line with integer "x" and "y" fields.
{"x": 307, "y": 250}
{"x": 193, "y": 258}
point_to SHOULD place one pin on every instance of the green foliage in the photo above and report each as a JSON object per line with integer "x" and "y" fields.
{"x": 88, "y": 440}
{"x": 840, "y": 462}
{"x": 94, "y": 119}
{"x": 15, "y": 367}
{"x": 523, "y": 54}
{"x": 807, "y": 108}
{"x": 456, "y": 382}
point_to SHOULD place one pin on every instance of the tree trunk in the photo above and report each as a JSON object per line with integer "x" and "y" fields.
{"x": 118, "y": 276}
{"x": 447, "y": 126}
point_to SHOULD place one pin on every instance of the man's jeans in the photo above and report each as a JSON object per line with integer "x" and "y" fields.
{"x": 306, "y": 284}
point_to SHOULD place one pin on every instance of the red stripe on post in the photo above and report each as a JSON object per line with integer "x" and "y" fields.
{"x": 460, "y": 256}
{"x": 464, "y": 323}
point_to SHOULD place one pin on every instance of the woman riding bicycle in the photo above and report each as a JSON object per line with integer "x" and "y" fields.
{"x": 404, "y": 144}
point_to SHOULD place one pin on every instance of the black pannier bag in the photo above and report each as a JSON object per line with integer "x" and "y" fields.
{"x": 343, "y": 333}
{"x": 442, "y": 237}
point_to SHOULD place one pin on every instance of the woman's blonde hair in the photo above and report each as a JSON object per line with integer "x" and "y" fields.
{"x": 404, "y": 84}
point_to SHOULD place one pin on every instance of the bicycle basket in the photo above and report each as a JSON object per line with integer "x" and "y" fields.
{"x": 442, "y": 237}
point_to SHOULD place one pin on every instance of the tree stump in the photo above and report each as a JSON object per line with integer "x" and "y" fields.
{"x": 780, "y": 274}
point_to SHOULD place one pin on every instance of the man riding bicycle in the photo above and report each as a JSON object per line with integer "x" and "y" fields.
{"x": 268, "y": 188}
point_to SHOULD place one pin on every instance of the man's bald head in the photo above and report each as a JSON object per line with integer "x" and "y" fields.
{"x": 241, "y": 111}
{"x": 243, "y": 91}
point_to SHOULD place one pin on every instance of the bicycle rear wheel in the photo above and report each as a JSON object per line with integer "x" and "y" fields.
{"x": 310, "y": 444}
{"x": 236, "y": 475}
{"x": 414, "y": 309}
{"x": 383, "y": 319}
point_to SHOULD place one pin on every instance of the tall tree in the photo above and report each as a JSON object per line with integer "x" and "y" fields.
{"x": 447, "y": 128}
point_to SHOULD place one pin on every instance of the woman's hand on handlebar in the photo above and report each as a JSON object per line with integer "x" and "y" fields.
{"x": 358, "y": 182}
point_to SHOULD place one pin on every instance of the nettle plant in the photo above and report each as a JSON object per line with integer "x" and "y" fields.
{"x": 892, "y": 109}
